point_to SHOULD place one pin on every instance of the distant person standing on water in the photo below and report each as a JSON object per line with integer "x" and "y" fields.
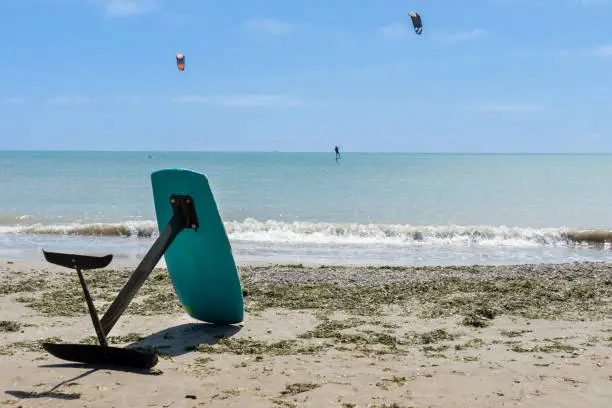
{"x": 337, "y": 150}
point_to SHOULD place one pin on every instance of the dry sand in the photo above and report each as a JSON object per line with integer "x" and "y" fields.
{"x": 526, "y": 336}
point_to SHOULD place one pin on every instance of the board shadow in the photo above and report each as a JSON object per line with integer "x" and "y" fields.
{"x": 178, "y": 340}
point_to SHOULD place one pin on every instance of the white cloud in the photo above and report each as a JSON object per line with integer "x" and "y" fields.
{"x": 462, "y": 36}
{"x": 249, "y": 100}
{"x": 508, "y": 107}
{"x": 68, "y": 100}
{"x": 127, "y": 8}
{"x": 603, "y": 50}
{"x": 14, "y": 100}
{"x": 394, "y": 31}
{"x": 269, "y": 26}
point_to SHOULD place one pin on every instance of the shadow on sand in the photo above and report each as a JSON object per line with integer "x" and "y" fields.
{"x": 173, "y": 342}
{"x": 179, "y": 340}
{"x": 44, "y": 394}
{"x": 52, "y": 393}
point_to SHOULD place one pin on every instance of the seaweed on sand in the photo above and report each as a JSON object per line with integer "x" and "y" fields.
{"x": 479, "y": 300}
{"x": 243, "y": 346}
{"x": 65, "y": 296}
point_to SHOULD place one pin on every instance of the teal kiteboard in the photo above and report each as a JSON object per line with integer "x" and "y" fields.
{"x": 200, "y": 263}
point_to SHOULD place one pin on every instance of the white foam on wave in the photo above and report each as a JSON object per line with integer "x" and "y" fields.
{"x": 122, "y": 229}
{"x": 299, "y": 232}
{"x": 392, "y": 234}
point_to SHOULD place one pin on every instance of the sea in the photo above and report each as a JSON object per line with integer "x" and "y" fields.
{"x": 292, "y": 208}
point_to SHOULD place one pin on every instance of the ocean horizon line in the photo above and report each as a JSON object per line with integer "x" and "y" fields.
{"x": 308, "y": 152}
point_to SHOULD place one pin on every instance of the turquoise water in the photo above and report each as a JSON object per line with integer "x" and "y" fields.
{"x": 304, "y": 207}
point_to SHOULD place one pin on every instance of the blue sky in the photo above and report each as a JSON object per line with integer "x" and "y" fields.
{"x": 485, "y": 76}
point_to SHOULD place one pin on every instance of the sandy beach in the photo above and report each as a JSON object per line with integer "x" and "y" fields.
{"x": 323, "y": 336}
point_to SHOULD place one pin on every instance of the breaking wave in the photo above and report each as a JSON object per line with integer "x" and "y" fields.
{"x": 251, "y": 230}
{"x": 139, "y": 229}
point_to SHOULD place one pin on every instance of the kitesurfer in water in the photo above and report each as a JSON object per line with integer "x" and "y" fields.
{"x": 337, "y": 150}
